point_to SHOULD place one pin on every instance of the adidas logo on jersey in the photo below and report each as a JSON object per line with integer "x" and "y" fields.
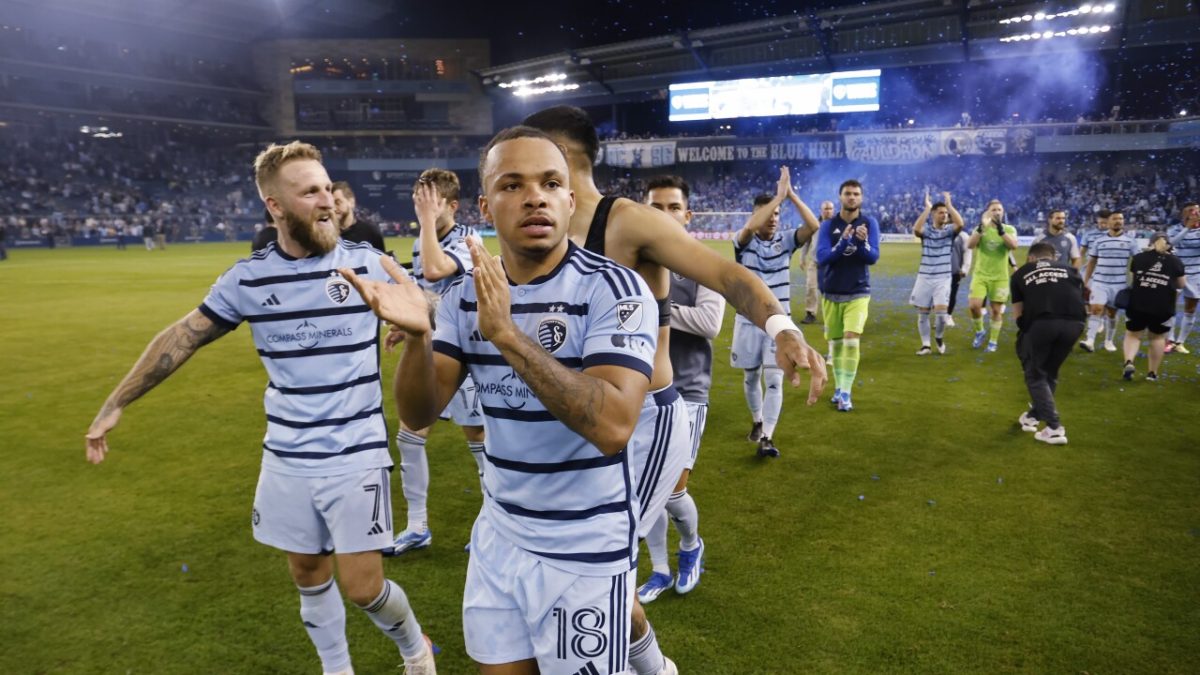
{"x": 476, "y": 336}
{"x": 270, "y": 301}
{"x": 589, "y": 669}
{"x": 375, "y": 529}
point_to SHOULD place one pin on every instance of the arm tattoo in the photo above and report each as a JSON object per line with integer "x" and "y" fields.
{"x": 575, "y": 399}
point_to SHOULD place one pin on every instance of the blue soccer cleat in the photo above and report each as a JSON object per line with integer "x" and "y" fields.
{"x": 689, "y": 568}
{"x": 991, "y": 347}
{"x": 409, "y": 541}
{"x": 654, "y": 586}
{"x": 837, "y": 393}
{"x": 979, "y": 339}
{"x": 844, "y": 404}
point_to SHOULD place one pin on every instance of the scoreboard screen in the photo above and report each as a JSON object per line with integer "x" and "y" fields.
{"x": 846, "y": 91}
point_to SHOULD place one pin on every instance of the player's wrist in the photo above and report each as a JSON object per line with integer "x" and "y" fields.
{"x": 778, "y": 323}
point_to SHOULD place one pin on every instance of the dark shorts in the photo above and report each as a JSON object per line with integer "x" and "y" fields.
{"x": 1136, "y": 321}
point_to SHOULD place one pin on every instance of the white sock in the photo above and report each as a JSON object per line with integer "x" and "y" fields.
{"x": 645, "y": 656}
{"x": 752, "y": 385}
{"x": 656, "y": 543}
{"x": 940, "y": 325}
{"x": 391, "y": 613}
{"x": 1185, "y": 328}
{"x": 1095, "y": 324}
{"x": 773, "y": 403}
{"x": 683, "y": 512}
{"x": 1174, "y": 327}
{"x": 476, "y": 448}
{"x": 1110, "y": 328}
{"x": 324, "y": 617}
{"x": 414, "y": 478}
{"x": 923, "y": 327}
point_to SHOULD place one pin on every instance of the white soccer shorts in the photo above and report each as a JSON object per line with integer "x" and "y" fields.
{"x": 930, "y": 291}
{"x": 658, "y": 451}
{"x": 751, "y": 346}
{"x": 1191, "y": 288}
{"x": 464, "y": 409}
{"x": 347, "y": 513}
{"x": 697, "y": 416}
{"x": 517, "y": 606}
{"x": 1104, "y": 294}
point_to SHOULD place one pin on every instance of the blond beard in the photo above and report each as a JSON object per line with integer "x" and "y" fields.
{"x": 310, "y": 236}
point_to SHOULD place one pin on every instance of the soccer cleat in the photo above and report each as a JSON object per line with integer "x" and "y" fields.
{"x": 1180, "y": 349}
{"x": 837, "y": 394}
{"x": 809, "y": 317}
{"x": 1109, "y": 346}
{"x": 1086, "y": 346}
{"x": 980, "y": 337}
{"x": 755, "y": 432}
{"x": 1028, "y": 422}
{"x": 1152, "y": 376}
{"x": 949, "y": 321}
{"x": 654, "y": 586}
{"x": 924, "y": 351}
{"x": 409, "y": 541}
{"x": 423, "y": 664}
{"x": 766, "y": 448}
{"x": 843, "y": 403}
{"x": 689, "y": 568}
{"x": 941, "y": 345}
{"x": 668, "y": 668}
{"x": 1052, "y": 436}
{"x": 1170, "y": 347}
{"x": 991, "y": 347}
{"x": 1129, "y": 370}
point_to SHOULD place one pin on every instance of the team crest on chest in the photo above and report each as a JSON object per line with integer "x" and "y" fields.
{"x": 629, "y": 316}
{"x": 552, "y": 333}
{"x": 337, "y": 288}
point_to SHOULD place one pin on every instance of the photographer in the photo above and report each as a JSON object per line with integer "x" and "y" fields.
{"x": 1157, "y": 275}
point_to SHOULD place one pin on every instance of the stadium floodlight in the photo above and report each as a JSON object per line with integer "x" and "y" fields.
{"x": 1110, "y": 7}
{"x": 1027, "y": 17}
{"x": 1039, "y": 16}
{"x": 1183, "y": 113}
{"x": 1084, "y": 9}
{"x": 552, "y": 77}
{"x": 1105, "y": 29}
{"x": 526, "y": 91}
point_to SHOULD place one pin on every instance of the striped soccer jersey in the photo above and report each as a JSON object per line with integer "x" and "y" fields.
{"x": 455, "y": 246}
{"x": 548, "y": 490}
{"x": 935, "y": 251}
{"x": 320, "y": 346}
{"x": 1187, "y": 249}
{"x": 1112, "y": 256}
{"x": 771, "y": 260}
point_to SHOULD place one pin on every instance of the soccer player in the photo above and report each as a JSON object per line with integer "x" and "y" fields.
{"x": 1047, "y": 297}
{"x": 808, "y": 263}
{"x": 763, "y": 248}
{"x": 696, "y": 314}
{"x": 847, "y": 245}
{"x": 352, "y": 229}
{"x": 323, "y": 487}
{"x": 1187, "y": 248}
{"x": 932, "y": 288}
{"x": 1108, "y": 262}
{"x": 1089, "y": 234}
{"x": 564, "y": 363}
{"x": 1065, "y": 246}
{"x": 1157, "y": 274}
{"x": 651, "y": 243}
{"x": 994, "y": 240}
{"x": 440, "y": 256}
{"x": 960, "y": 266}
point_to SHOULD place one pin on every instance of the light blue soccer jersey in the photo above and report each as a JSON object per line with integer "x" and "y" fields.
{"x": 770, "y": 259}
{"x": 320, "y": 345}
{"x": 1112, "y": 256}
{"x": 935, "y": 252}
{"x": 455, "y": 246}
{"x": 1187, "y": 249}
{"x": 549, "y": 491}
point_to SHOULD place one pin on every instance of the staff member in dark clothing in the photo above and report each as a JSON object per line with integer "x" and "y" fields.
{"x": 266, "y": 235}
{"x": 352, "y": 229}
{"x": 1157, "y": 276}
{"x": 1047, "y": 302}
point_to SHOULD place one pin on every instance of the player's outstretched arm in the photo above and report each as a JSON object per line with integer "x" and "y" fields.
{"x": 955, "y": 216}
{"x": 919, "y": 226}
{"x": 763, "y": 213}
{"x": 811, "y": 224}
{"x": 661, "y": 240}
{"x": 163, "y": 356}
{"x": 601, "y": 403}
{"x": 423, "y": 380}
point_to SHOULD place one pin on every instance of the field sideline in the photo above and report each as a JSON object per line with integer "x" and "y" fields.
{"x": 923, "y": 533}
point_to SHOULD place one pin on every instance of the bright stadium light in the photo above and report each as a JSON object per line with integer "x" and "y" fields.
{"x": 1039, "y": 16}
{"x": 1084, "y": 9}
{"x": 1105, "y": 29}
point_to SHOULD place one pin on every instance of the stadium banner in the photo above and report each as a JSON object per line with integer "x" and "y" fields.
{"x": 958, "y": 142}
{"x": 897, "y": 238}
{"x": 815, "y": 147}
{"x": 896, "y": 147}
{"x": 638, "y": 154}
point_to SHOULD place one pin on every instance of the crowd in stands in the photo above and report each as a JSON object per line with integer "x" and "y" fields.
{"x": 28, "y": 45}
{"x": 88, "y": 187}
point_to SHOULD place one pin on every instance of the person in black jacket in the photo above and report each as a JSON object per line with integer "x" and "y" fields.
{"x": 353, "y": 229}
{"x": 1157, "y": 276}
{"x": 1047, "y": 303}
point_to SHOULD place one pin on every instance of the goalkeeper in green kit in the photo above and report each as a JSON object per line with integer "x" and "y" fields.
{"x": 994, "y": 240}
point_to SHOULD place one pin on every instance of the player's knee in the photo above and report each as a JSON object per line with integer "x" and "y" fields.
{"x": 473, "y": 434}
{"x": 310, "y": 570}
{"x": 681, "y": 484}
{"x": 361, "y": 587}
{"x": 638, "y": 624}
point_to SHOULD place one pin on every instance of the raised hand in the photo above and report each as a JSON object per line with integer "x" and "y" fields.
{"x": 784, "y": 186}
{"x": 946, "y": 198}
{"x": 928, "y": 202}
{"x": 428, "y": 204}
{"x": 492, "y": 293}
{"x": 402, "y": 304}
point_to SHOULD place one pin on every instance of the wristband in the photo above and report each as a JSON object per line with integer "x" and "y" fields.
{"x": 778, "y": 323}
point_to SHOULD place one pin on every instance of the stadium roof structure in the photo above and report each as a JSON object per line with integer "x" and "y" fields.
{"x": 891, "y": 33}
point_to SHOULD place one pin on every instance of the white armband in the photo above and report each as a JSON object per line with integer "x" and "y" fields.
{"x": 779, "y": 322}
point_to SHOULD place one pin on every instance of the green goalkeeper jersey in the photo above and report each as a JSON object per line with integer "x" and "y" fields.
{"x": 991, "y": 259}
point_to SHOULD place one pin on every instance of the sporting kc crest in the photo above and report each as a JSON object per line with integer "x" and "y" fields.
{"x": 338, "y": 289}
{"x": 552, "y": 333}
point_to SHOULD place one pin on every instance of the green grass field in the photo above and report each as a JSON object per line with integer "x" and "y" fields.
{"x": 924, "y": 533}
